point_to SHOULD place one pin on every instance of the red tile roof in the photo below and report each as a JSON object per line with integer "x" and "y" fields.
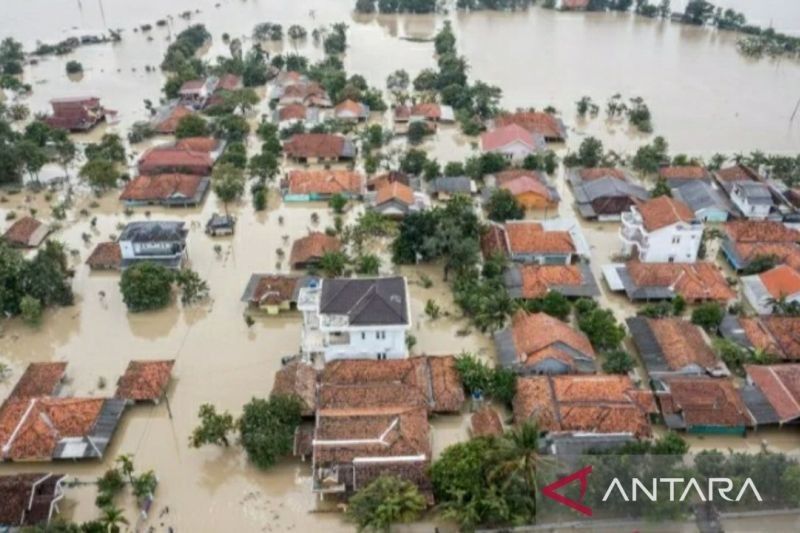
{"x": 157, "y": 160}
{"x": 145, "y": 380}
{"x": 312, "y": 247}
{"x": 539, "y": 336}
{"x": 786, "y": 332}
{"x": 759, "y": 231}
{"x": 602, "y": 404}
{"x": 738, "y": 173}
{"x": 501, "y": 137}
{"x": 664, "y": 211}
{"x": 693, "y": 281}
{"x": 682, "y": 343}
{"x": 292, "y": 112}
{"x": 319, "y": 145}
{"x": 229, "y": 82}
{"x": 198, "y": 144}
{"x": 486, "y": 423}
{"x": 530, "y": 237}
{"x": 686, "y": 172}
{"x": 39, "y": 379}
{"x": 350, "y": 106}
{"x": 781, "y": 281}
{"x": 170, "y": 123}
{"x": 21, "y": 231}
{"x": 574, "y": 4}
{"x": 780, "y": 384}
{"x": 591, "y": 174}
{"x": 537, "y": 280}
{"x": 544, "y": 124}
{"x": 274, "y": 289}
{"x": 106, "y": 255}
{"x": 704, "y": 402}
{"x": 395, "y": 191}
{"x": 161, "y": 187}
{"x": 324, "y": 182}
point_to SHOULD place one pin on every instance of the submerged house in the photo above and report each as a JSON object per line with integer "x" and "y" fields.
{"x": 541, "y": 344}
{"x": 292, "y": 114}
{"x": 363, "y": 318}
{"x": 445, "y": 187}
{"x": 674, "y": 347}
{"x": 318, "y": 185}
{"x": 513, "y": 142}
{"x": 531, "y": 188}
{"x": 274, "y": 293}
{"x": 678, "y": 175}
{"x": 548, "y": 242}
{"x": 196, "y": 93}
{"x": 28, "y": 500}
{"x": 351, "y": 111}
{"x": 145, "y": 381}
{"x": 694, "y": 282}
{"x": 703, "y": 405}
{"x": 661, "y": 230}
{"x": 297, "y": 378}
{"x": 776, "y": 336}
{"x": 425, "y": 112}
{"x": 542, "y": 124}
{"x": 105, "y": 256}
{"x": 396, "y": 200}
{"x": 587, "y": 404}
{"x": 319, "y": 148}
{"x": 174, "y": 159}
{"x": 162, "y": 242}
{"x": 749, "y": 192}
{"x": 172, "y": 190}
{"x": 604, "y": 193}
{"x": 307, "y": 251}
{"x": 79, "y": 114}
{"x": 167, "y": 117}
{"x": 747, "y": 240}
{"x": 535, "y": 281}
{"x": 26, "y": 232}
{"x": 772, "y": 394}
{"x": 706, "y": 200}
{"x": 775, "y": 286}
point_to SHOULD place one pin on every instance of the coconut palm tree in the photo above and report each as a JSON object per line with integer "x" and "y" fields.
{"x": 126, "y": 466}
{"x": 519, "y": 457}
{"x": 112, "y": 518}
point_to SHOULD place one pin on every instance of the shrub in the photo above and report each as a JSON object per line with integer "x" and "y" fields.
{"x": 146, "y": 287}
{"x": 74, "y": 67}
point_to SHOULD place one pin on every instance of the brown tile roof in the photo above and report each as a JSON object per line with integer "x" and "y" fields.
{"x": 574, "y": 4}
{"x": 693, "y": 281}
{"x": 493, "y": 241}
{"x": 428, "y": 380}
{"x": 298, "y": 379}
{"x": 544, "y": 124}
{"x": 738, "y": 173}
{"x": 760, "y": 336}
{"x": 170, "y": 123}
{"x": 106, "y": 255}
{"x": 780, "y": 384}
{"x": 292, "y": 112}
{"x": 23, "y": 502}
{"x": 537, "y": 280}
{"x": 602, "y": 404}
{"x": 664, "y": 211}
{"x": 394, "y": 191}
{"x": 530, "y": 237}
{"x": 159, "y": 158}
{"x": 229, "y": 82}
{"x": 486, "y": 423}
{"x": 31, "y": 429}
{"x": 312, "y": 247}
{"x": 161, "y": 187}
{"x": 682, "y": 343}
{"x": 503, "y": 136}
{"x": 274, "y": 289}
{"x": 760, "y": 231}
{"x": 704, "y": 401}
{"x": 39, "y": 379}
{"x": 430, "y": 111}
{"x": 145, "y": 380}
{"x": 591, "y": 174}
{"x": 324, "y": 182}
{"x": 320, "y": 145}
{"x": 538, "y": 336}
{"x": 387, "y": 178}
{"x": 21, "y": 231}
{"x": 786, "y": 332}
{"x": 198, "y": 144}
{"x": 781, "y": 281}
{"x": 350, "y": 106}
{"x": 686, "y": 172}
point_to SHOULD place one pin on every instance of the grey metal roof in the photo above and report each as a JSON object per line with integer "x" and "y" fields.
{"x": 154, "y": 231}
{"x": 755, "y": 192}
{"x": 731, "y": 329}
{"x": 758, "y": 405}
{"x": 221, "y": 221}
{"x": 506, "y": 349}
{"x": 452, "y": 184}
{"x": 636, "y": 292}
{"x": 699, "y": 194}
{"x": 647, "y": 345}
{"x": 573, "y": 445}
{"x": 608, "y": 187}
{"x": 93, "y": 445}
{"x": 366, "y": 302}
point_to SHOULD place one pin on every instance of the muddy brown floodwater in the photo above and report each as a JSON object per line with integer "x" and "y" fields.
{"x": 705, "y": 98}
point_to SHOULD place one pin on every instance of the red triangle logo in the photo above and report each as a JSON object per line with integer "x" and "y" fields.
{"x": 581, "y": 475}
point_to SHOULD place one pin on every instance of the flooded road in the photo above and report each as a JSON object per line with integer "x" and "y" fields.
{"x": 705, "y": 98}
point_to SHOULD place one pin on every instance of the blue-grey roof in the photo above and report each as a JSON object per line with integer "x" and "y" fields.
{"x": 758, "y": 405}
{"x": 731, "y": 329}
{"x": 608, "y": 187}
{"x": 154, "y": 231}
{"x": 635, "y": 292}
{"x": 366, "y": 302}
{"x": 452, "y": 185}
{"x": 756, "y": 193}
{"x": 699, "y": 195}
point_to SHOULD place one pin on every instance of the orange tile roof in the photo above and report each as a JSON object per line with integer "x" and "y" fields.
{"x": 603, "y": 404}
{"x": 21, "y": 231}
{"x": 170, "y": 123}
{"x": 312, "y": 247}
{"x": 781, "y": 281}
{"x": 292, "y": 112}
{"x": 738, "y": 173}
{"x": 160, "y": 158}
{"x": 591, "y": 174}
{"x": 161, "y": 187}
{"x": 503, "y": 136}
{"x": 530, "y": 237}
{"x": 786, "y": 332}
{"x": 759, "y": 231}
{"x": 664, "y": 211}
{"x": 274, "y": 289}
{"x": 486, "y": 422}
{"x": 350, "y": 106}
{"x": 105, "y": 255}
{"x": 39, "y": 379}
{"x": 324, "y": 182}
{"x": 526, "y": 185}
{"x": 787, "y": 253}
{"x": 394, "y": 191}
{"x": 760, "y": 336}
{"x": 538, "y": 336}
{"x": 537, "y": 280}
{"x": 704, "y": 401}
{"x": 780, "y": 384}
{"x": 298, "y": 379}
{"x": 430, "y": 111}
{"x": 543, "y": 124}
{"x": 321, "y": 145}
{"x": 198, "y": 144}
{"x": 682, "y": 344}
{"x": 686, "y": 172}
{"x": 693, "y": 281}
{"x": 145, "y": 380}
{"x": 31, "y": 429}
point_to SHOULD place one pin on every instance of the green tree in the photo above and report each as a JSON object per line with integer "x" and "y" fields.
{"x": 708, "y": 316}
{"x": 241, "y": 99}
{"x": 65, "y": 150}
{"x": 413, "y": 162}
{"x": 386, "y": 501}
{"x": 590, "y": 154}
{"x": 369, "y": 264}
{"x": 214, "y": 427}
{"x": 192, "y": 125}
{"x": 74, "y": 67}
{"x": 33, "y": 158}
{"x": 112, "y": 518}
{"x": 602, "y": 328}
{"x": 661, "y": 188}
{"x": 504, "y": 206}
{"x": 100, "y": 174}
{"x": 618, "y": 362}
{"x": 337, "y": 202}
{"x": 228, "y": 183}
{"x": 520, "y": 456}
{"x": 232, "y": 128}
{"x": 417, "y": 131}
{"x": 267, "y": 428}
{"x": 146, "y": 287}
{"x": 651, "y": 156}
{"x": 110, "y": 148}
{"x": 333, "y": 264}
{"x": 193, "y": 288}
{"x": 264, "y": 165}
{"x": 31, "y": 310}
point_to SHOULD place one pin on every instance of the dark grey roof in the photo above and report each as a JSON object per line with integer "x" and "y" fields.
{"x": 636, "y": 292}
{"x": 729, "y": 249}
{"x": 366, "y": 302}
{"x": 154, "y": 231}
{"x": 758, "y": 405}
{"x": 567, "y": 446}
{"x": 699, "y": 194}
{"x": 647, "y": 345}
{"x": 506, "y": 349}
{"x": 452, "y": 184}
{"x": 608, "y": 187}
{"x": 755, "y": 192}
{"x": 588, "y": 289}
{"x": 221, "y": 221}
{"x": 731, "y": 329}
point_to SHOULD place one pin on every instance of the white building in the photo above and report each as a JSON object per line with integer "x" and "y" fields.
{"x": 364, "y": 318}
{"x": 159, "y": 242}
{"x": 661, "y": 230}
{"x": 753, "y": 199}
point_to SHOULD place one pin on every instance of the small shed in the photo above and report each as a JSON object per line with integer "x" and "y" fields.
{"x": 220, "y": 225}
{"x": 145, "y": 381}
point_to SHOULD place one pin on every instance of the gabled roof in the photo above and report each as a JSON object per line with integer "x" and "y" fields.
{"x": 324, "y": 182}
{"x": 781, "y": 281}
{"x": 535, "y": 281}
{"x": 154, "y": 231}
{"x": 352, "y": 107}
{"x": 539, "y": 123}
{"x": 105, "y": 255}
{"x": 39, "y": 379}
{"x": 174, "y": 158}
{"x": 298, "y": 379}
{"x": 608, "y": 187}
{"x": 167, "y": 118}
{"x": 684, "y": 172}
{"x": 366, "y": 301}
{"x": 145, "y": 380}
{"x": 786, "y": 332}
{"x": 673, "y": 345}
{"x": 394, "y": 191}
{"x": 271, "y": 289}
{"x": 22, "y": 232}
{"x": 538, "y": 338}
{"x": 292, "y": 112}
{"x": 596, "y": 404}
{"x": 761, "y": 231}
{"x": 591, "y": 174}
{"x": 486, "y": 422}
{"x": 664, "y": 211}
{"x": 503, "y": 136}
{"x": 780, "y": 386}
{"x": 198, "y": 144}
{"x": 530, "y": 238}
{"x": 313, "y": 246}
{"x": 702, "y": 401}
{"x": 452, "y": 185}
{"x": 320, "y": 145}
{"x": 699, "y": 195}
{"x": 693, "y": 281}
{"x": 528, "y": 184}
{"x": 738, "y": 173}
{"x": 27, "y": 499}
{"x": 160, "y": 187}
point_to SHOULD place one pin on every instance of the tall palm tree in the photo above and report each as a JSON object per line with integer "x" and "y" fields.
{"x": 112, "y": 518}
{"x": 126, "y": 466}
{"x": 519, "y": 456}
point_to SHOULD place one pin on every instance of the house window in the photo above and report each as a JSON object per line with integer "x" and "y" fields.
{"x": 363, "y": 335}
{"x": 380, "y": 335}
{"x": 676, "y": 239}
{"x": 381, "y": 356}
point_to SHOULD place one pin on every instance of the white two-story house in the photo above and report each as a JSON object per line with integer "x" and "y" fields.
{"x": 355, "y": 318}
{"x": 162, "y": 242}
{"x": 661, "y": 230}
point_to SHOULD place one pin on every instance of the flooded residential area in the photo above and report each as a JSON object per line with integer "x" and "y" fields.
{"x": 408, "y": 248}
